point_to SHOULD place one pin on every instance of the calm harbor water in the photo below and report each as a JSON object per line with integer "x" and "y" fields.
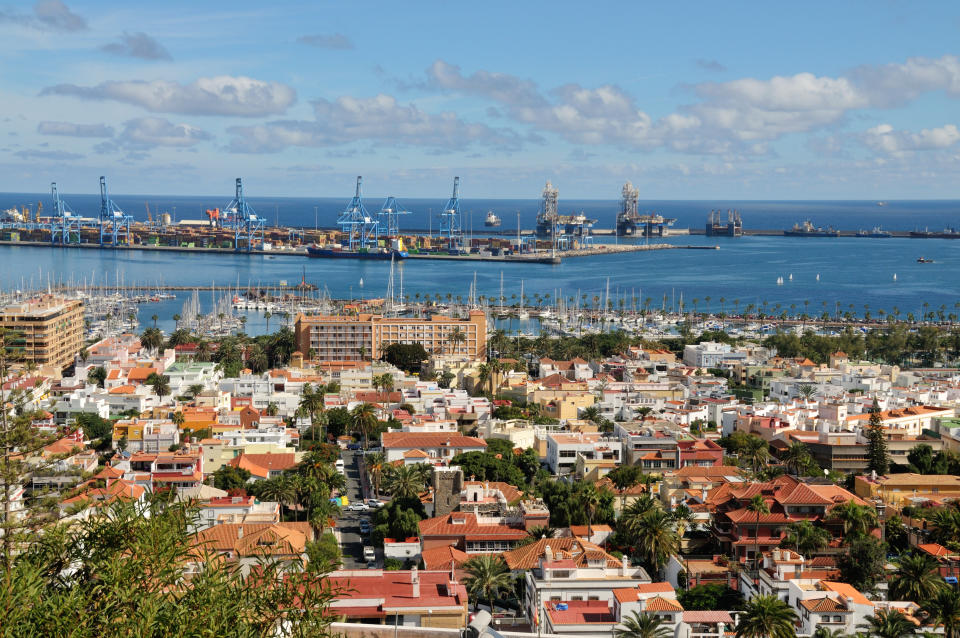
{"x": 743, "y": 271}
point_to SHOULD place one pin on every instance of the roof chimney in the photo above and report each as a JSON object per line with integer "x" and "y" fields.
{"x": 415, "y": 580}
{"x": 624, "y": 565}
{"x": 239, "y": 532}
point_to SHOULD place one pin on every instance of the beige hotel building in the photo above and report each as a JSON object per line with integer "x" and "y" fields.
{"x": 363, "y": 336}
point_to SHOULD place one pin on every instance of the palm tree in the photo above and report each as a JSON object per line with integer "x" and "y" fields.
{"x": 376, "y": 464}
{"x": 807, "y": 391}
{"x": 154, "y": 317}
{"x": 823, "y": 632}
{"x": 364, "y": 419}
{"x": 767, "y": 617}
{"x": 403, "y": 481}
{"x": 590, "y": 498}
{"x": 642, "y": 625}
{"x": 487, "y": 575}
{"x": 917, "y": 578}
{"x": 456, "y": 337}
{"x": 151, "y": 339}
{"x": 278, "y": 489}
{"x": 160, "y": 384}
{"x": 757, "y": 453}
{"x": 806, "y": 538}
{"x": 758, "y": 506}
{"x": 944, "y": 609}
{"x": 195, "y": 389}
{"x": 178, "y": 419}
{"x": 656, "y": 537}
{"x": 203, "y": 350}
{"x": 797, "y": 458}
{"x": 857, "y": 519}
{"x": 312, "y": 403}
{"x": 267, "y": 316}
{"x": 888, "y": 623}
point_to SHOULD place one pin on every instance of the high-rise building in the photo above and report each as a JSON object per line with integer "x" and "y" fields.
{"x": 45, "y": 330}
{"x": 353, "y": 337}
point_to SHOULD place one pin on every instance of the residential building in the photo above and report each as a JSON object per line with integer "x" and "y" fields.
{"x": 908, "y": 488}
{"x": 247, "y": 544}
{"x": 563, "y": 448}
{"x": 710, "y": 354}
{"x": 434, "y": 446}
{"x": 46, "y": 330}
{"x": 357, "y": 337}
{"x": 403, "y": 598}
{"x": 471, "y": 533}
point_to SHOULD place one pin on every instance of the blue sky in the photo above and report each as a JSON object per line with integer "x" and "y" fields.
{"x": 697, "y": 100}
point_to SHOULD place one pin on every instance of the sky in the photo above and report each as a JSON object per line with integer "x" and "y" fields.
{"x": 687, "y": 100}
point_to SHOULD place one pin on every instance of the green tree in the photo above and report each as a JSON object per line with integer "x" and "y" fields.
{"x": 323, "y": 554}
{"x": 862, "y": 565}
{"x": 406, "y": 356}
{"x": 376, "y": 464}
{"x": 106, "y": 593}
{"x": 758, "y": 506}
{"x": 487, "y": 575}
{"x": 151, "y": 339}
{"x": 228, "y": 477}
{"x": 917, "y": 578}
{"x": 365, "y": 420}
{"x": 160, "y": 384}
{"x": 194, "y": 389}
{"x": 642, "y": 625}
{"x": 656, "y": 538}
{"x": 98, "y": 376}
{"x": 710, "y": 597}
{"x": 944, "y": 609}
{"x": 857, "y": 519}
{"x": 767, "y": 617}
{"x": 798, "y": 460}
{"x": 888, "y": 623}
{"x": 806, "y": 538}
{"x": 878, "y": 458}
{"x": 403, "y": 482}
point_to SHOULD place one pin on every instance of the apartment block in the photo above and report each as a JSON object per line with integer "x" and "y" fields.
{"x": 47, "y": 330}
{"x": 363, "y": 336}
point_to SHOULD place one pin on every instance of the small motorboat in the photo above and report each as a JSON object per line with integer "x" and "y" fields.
{"x": 924, "y": 260}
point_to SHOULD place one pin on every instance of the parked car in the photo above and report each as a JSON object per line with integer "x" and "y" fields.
{"x": 340, "y": 466}
{"x": 359, "y": 507}
{"x": 369, "y": 553}
{"x": 374, "y": 502}
{"x": 353, "y": 446}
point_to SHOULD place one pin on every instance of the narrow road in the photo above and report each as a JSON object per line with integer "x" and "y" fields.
{"x": 352, "y": 541}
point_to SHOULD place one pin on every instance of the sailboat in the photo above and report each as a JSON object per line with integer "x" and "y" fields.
{"x": 894, "y": 276}
{"x": 818, "y": 276}
{"x": 523, "y": 314}
{"x": 780, "y": 281}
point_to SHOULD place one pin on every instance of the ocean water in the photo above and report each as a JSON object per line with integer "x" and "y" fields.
{"x": 852, "y": 272}
{"x": 323, "y": 211}
{"x": 857, "y": 274}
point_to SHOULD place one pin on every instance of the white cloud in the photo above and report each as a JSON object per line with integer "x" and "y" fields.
{"x": 222, "y": 95}
{"x": 380, "y": 118}
{"x": 74, "y": 130}
{"x": 886, "y": 139}
{"x": 739, "y": 116}
{"x": 157, "y": 131}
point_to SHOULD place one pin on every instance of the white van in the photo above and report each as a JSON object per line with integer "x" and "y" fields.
{"x": 369, "y": 553}
{"x": 340, "y": 466}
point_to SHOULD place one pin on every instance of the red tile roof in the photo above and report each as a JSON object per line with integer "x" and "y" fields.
{"x": 464, "y": 525}
{"x": 422, "y": 440}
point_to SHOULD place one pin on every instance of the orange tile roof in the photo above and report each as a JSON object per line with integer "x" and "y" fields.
{"x": 443, "y": 557}
{"x": 659, "y": 603}
{"x": 823, "y": 604}
{"x": 633, "y": 594}
{"x": 464, "y": 524}
{"x": 846, "y": 590}
{"x": 528, "y": 556}
{"x": 122, "y": 389}
{"x": 140, "y": 374}
{"x": 254, "y": 539}
{"x": 429, "y": 440}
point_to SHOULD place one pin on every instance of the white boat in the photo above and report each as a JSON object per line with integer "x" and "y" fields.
{"x": 779, "y": 281}
{"x": 491, "y": 220}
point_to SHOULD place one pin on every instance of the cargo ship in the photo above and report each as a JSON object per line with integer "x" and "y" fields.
{"x": 807, "y": 229}
{"x": 338, "y": 252}
{"x": 492, "y": 220}
{"x": 877, "y": 233}
{"x": 716, "y": 228}
{"x": 946, "y": 233}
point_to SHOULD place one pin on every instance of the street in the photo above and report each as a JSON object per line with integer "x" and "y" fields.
{"x": 352, "y": 541}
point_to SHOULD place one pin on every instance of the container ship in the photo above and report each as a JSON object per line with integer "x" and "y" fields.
{"x": 550, "y": 220}
{"x": 733, "y": 227}
{"x": 340, "y": 252}
{"x": 946, "y": 233}
{"x": 491, "y": 220}
{"x": 807, "y": 229}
